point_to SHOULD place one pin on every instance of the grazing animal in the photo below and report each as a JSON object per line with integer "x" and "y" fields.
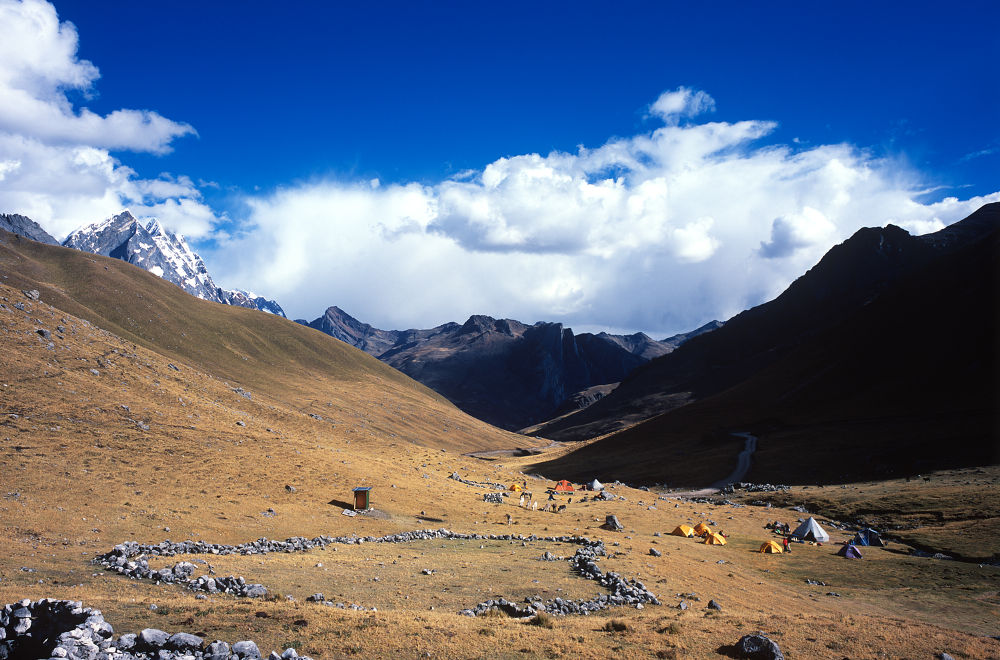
{"x": 562, "y": 507}
{"x": 520, "y": 502}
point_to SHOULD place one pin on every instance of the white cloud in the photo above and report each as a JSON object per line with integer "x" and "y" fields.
{"x": 55, "y": 160}
{"x": 682, "y": 102}
{"x": 660, "y": 231}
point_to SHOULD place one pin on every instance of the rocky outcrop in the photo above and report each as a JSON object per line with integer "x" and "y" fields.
{"x": 66, "y": 630}
{"x": 24, "y": 226}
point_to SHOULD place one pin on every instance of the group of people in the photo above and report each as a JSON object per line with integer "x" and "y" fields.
{"x": 781, "y": 528}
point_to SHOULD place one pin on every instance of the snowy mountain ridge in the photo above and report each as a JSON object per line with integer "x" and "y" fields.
{"x": 163, "y": 253}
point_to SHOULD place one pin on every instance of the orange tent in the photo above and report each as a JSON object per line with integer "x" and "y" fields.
{"x": 563, "y": 486}
{"x": 715, "y": 539}
{"x": 701, "y": 529}
{"x": 515, "y": 487}
{"x": 772, "y": 547}
{"x": 683, "y": 530}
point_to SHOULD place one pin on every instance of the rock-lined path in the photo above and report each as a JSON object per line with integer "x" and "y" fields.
{"x": 129, "y": 559}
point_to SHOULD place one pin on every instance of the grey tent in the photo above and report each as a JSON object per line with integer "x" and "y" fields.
{"x": 595, "y": 485}
{"x": 868, "y": 536}
{"x": 811, "y": 531}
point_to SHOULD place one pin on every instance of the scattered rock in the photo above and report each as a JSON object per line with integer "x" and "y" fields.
{"x": 654, "y": 552}
{"x": 713, "y": 605}
{"x": 611, "y": 523}
{"x": 758, "y": 647}
{"x": 31, "y": 295}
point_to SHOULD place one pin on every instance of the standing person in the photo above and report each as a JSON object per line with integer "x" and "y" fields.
{"x": 784, "y": 543}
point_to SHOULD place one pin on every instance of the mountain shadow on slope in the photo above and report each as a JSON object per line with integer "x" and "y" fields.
{"x": 848, "y": 277}
{"x": 878, "y": 362}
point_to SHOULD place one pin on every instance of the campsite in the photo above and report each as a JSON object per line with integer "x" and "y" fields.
{"x": 409, "y": 595}
{"x": 508, "y": 331}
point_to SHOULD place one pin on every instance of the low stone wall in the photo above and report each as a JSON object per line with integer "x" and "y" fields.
{"x": 584, "y": 562}
{"x": 66, "y": 630}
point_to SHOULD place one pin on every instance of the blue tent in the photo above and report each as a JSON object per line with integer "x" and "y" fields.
{"x": 868, "y": 536}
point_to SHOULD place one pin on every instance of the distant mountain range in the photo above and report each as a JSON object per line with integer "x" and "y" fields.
{"x": 881, "y": 360}
{"x": 149, "y": 246}
{"x": 503, "y": 371}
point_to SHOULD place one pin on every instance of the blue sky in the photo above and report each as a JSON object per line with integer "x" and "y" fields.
{"x": 280, "y": 92}
{"x": 427, "y": 155}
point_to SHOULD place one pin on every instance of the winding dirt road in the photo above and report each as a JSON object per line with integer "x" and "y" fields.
{"x": 742, "y": 461}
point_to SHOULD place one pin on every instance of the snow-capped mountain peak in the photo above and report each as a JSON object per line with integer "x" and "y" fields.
{"x": 163, "y": 253}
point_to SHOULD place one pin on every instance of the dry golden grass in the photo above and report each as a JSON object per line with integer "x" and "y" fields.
{"x": 79, "y": 475}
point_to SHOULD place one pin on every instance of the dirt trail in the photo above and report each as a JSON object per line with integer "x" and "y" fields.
{"x": 742, "y": 461}
{"x": 510, "y": 452}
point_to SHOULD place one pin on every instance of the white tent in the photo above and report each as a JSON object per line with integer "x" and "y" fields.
{"x": 811, "y": 531}
{"x": 596, "y": 485}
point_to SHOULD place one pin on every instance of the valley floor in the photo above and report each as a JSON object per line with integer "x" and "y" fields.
{"x": 145, "y": 451}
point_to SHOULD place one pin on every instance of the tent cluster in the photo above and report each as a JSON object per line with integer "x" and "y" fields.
{"x": 810, "y": 530}
{"x": 702, "y": 530}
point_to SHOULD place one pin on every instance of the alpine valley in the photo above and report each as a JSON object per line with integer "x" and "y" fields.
{"x": 187, "y": 476}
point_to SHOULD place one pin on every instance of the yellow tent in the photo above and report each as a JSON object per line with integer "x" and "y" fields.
{"x": 772, "y": 547}
{"x": 715, "y": 539}
{"x": 515, "y": 487}
{"x": 701, "y": 529}
{"x": 683, "y": 530}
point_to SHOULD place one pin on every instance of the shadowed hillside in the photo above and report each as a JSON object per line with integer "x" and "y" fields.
{"x": 881, "y": 361}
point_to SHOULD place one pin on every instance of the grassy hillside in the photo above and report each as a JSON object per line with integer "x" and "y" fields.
{"x": 277, "y": 360}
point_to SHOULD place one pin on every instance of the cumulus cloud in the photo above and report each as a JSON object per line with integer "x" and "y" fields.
{"x": 55, "y": 159}
{"x": 660, "y": 231}
{"x": 682, "y": 102}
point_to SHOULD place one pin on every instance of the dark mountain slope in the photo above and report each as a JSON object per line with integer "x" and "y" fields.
{"x": 25, "y": 226}
{"x": 503, "y": 371}
{"x": 849, "y": 276}
{"x": 904, "y": 383}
